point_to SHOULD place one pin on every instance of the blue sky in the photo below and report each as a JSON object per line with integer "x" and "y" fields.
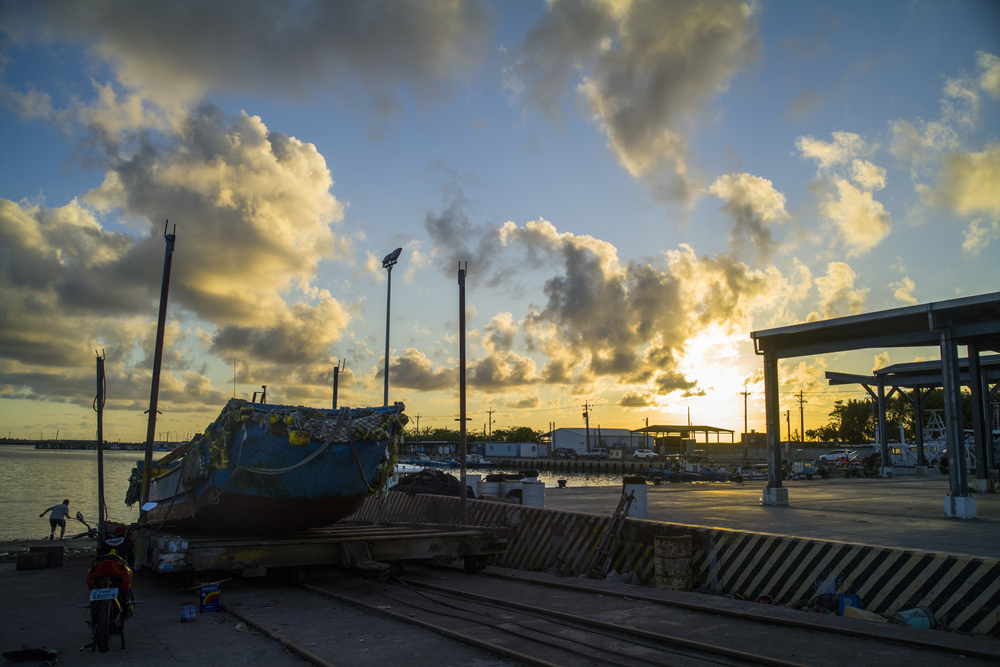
{"x": 636, "y": 186}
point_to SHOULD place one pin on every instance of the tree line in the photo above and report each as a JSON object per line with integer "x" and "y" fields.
{"x": 513, "y": 434}
{"x": 855, "y": 420}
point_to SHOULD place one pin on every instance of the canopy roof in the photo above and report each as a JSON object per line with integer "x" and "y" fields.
{"x": 974, "y": 319}
{"x": 918, "y": 373}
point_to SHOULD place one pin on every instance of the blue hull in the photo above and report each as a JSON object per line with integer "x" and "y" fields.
{"x": 275, "y": 470}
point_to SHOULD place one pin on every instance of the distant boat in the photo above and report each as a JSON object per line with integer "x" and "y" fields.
{"x": 476, "y": 461}
{"x": 264, "y": 469}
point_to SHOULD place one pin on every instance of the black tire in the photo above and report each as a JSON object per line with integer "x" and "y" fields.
{"x": 102, "y": 625}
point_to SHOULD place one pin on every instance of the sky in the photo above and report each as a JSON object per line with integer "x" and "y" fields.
{"x": 633, "y": 186}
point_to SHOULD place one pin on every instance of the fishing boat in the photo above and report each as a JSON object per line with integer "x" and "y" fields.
{"x": 262, "y": 469}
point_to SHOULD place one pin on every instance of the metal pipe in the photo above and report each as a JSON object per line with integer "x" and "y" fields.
{"x": 462, "y": 442}
{"x": 388, "y": 297}
{"x": 388, "y": 262}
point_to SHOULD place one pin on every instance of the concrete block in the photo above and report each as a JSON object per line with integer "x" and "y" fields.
{"x": 637, "y": 485}
{"x": 960, "y": 507}
{"x": 53, "y": 553}
{"x": 983, "y": 485}
{"x": 32, "y": 560}
{"x": 774, "y": 496}
{"x": 533, "y": 494}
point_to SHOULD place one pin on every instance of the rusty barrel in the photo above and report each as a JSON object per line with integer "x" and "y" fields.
{"x": 672, "y": 557}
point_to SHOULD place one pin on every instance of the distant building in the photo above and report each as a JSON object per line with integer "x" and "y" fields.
{"x": 608, "y": 438}
{"x": 527, "y": 450}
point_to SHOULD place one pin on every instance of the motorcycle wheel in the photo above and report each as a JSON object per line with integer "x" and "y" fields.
{"x": 102, "y": 625}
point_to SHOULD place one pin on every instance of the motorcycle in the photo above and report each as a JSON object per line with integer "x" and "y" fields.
{"x": 109, "y": 580}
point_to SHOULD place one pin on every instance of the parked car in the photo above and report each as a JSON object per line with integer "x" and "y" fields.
{"x": 644, "y": 454}
{"x": 565, "y": 453}
{"x": 599, "y": 453}
{"x": 835, "y": 455}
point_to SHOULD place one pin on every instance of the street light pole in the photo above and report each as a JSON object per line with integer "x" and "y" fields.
{"x": 388, "y": 262}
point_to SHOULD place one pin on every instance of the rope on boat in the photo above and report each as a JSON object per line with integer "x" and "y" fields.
{"x": 357, "y": 461}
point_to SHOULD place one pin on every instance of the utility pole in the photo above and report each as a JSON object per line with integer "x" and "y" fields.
{"x": 802, "y": 421}
{"x": 490, "y": 413}
{"x": 586, "y": 420}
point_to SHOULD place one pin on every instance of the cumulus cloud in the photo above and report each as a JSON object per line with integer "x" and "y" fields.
{"x": 837, "y": 294}
{"x": 179, "y": 50}
{"x": 242, "y": 196}
{"x": 754, "y": 206}
{"x": 903, "y": 289}
{"x": 979, "y": 234}
{"x": 600, "y": 316}
{"x": 867, "y": 175}
{"x": 859, "y": 222}
{"x": 70, "y": 288}
{"x": 827, "y": 154}
{"x": 989, "y": 77}
{"x": 949, "y": 174}
{"x": 644, "y": 69}
{"x": 969, "y": 183}
{"x": 414, "y": 370}
{"x": 254, "y": 218}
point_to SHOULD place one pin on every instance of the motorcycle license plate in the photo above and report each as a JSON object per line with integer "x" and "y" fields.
{"x": 103, "y": 594}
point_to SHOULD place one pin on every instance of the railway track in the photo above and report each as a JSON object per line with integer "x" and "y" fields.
{"x": 532, "y": 619}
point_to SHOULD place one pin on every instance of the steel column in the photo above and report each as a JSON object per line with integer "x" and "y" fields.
{"x": 772, "y": 418}
{"x": 957, "y": 474}
{"x": 979, "y": 425}
{"x": 882, "y": 433}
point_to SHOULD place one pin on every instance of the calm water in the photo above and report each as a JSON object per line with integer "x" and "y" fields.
{"x": 32, "y": 480}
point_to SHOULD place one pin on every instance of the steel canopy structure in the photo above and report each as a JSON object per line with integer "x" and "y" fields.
{"x": 681, "y": 429}
{"x": 921, "y": 377}
{"x": 973, "y": 322}
{"x": 684, "y": 430}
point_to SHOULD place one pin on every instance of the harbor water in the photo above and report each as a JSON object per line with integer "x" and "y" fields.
{"x": 32, "y": 480}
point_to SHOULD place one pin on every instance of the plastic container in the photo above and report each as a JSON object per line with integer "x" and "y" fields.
{"x": 211, "y": 598}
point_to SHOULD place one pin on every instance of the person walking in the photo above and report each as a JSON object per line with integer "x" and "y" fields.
{"x": 58, "y": 518}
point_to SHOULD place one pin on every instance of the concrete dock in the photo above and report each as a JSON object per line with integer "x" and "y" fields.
{"x": 47, "y": 607}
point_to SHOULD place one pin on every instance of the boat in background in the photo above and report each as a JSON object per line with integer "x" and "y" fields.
{"x": 271, "y": 470}
{"x": 478, "y": 462}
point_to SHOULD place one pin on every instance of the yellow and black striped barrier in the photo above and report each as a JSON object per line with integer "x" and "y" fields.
{"x": 963, "y": 592}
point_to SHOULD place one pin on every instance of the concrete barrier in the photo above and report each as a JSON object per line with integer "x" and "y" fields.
{"x": 963, "y": 592}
